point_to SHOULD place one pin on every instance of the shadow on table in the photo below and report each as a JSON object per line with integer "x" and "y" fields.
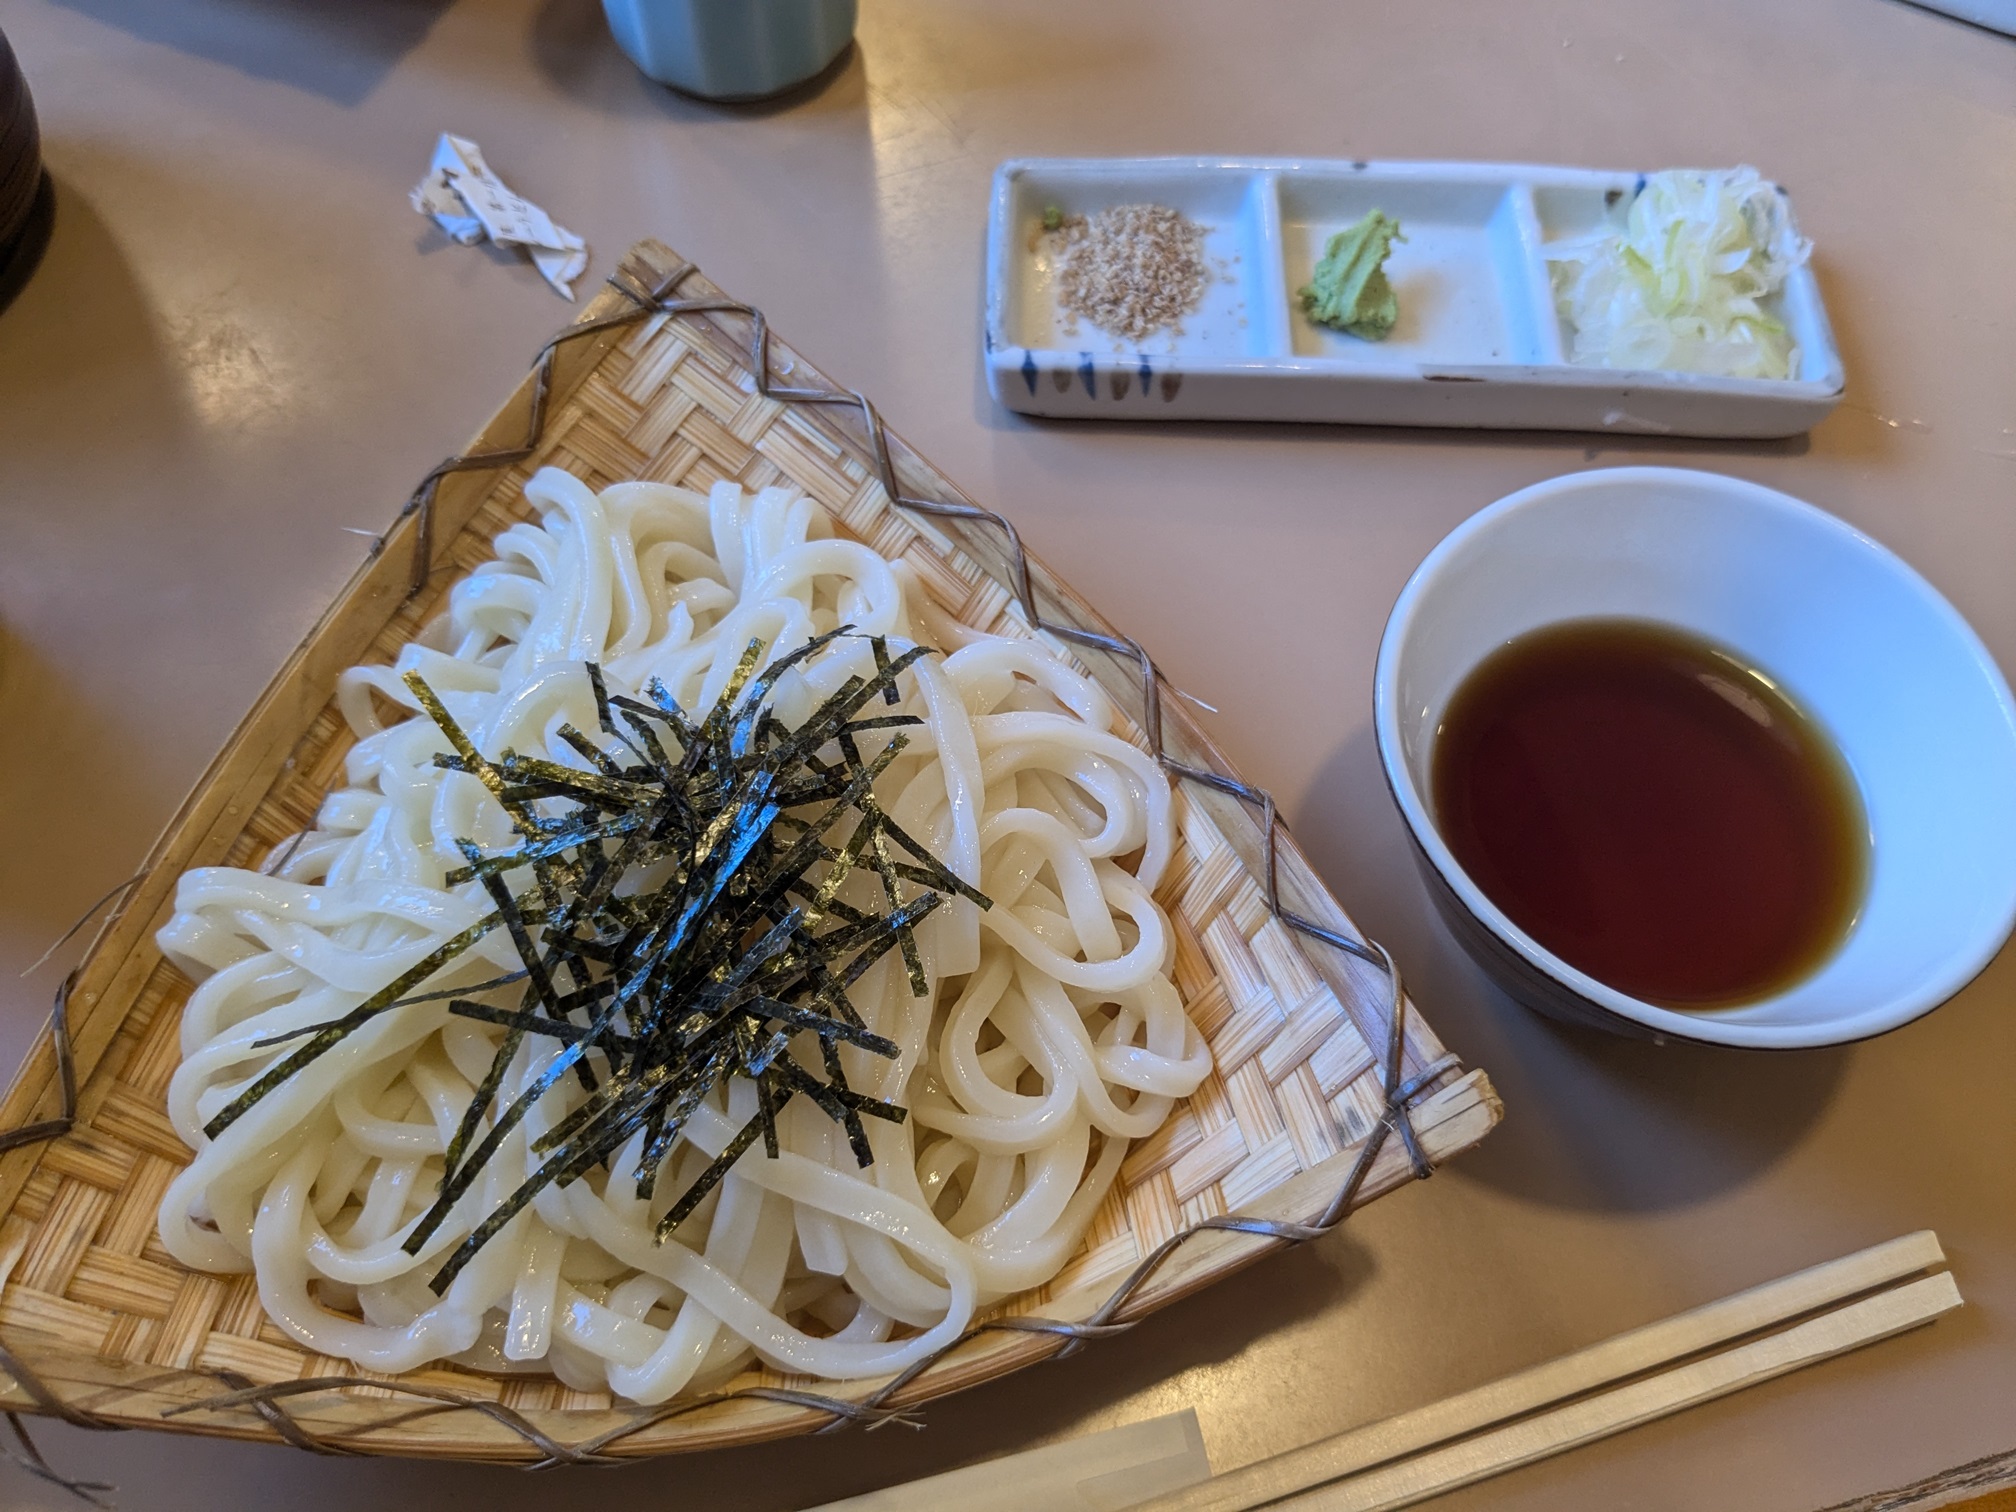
{"x": 81, "y": 793}
{"x": 1279, "y": 1292}
{"x": 1592, "y": 1120}
{"x": 339, "y": 49}
{"x": 81, "y": 338}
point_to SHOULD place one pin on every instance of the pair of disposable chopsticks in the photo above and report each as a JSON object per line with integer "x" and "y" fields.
{"x": 1633, "y": 1378}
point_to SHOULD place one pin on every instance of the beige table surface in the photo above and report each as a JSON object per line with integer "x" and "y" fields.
{"x": 244, "y": 345}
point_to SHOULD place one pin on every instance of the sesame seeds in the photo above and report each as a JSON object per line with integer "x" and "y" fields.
{"x": 1131, "y": 269}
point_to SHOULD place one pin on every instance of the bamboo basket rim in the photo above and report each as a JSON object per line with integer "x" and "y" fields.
{"x": 1434, "y": 1108}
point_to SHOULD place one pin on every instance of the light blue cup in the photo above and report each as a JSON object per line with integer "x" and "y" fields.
{"x": 731, "y": 49}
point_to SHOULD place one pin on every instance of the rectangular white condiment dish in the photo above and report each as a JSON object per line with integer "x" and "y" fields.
{"x": 1479, "y": 341}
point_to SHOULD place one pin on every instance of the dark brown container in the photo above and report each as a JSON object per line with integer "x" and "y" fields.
{"x": 27, "y": 198}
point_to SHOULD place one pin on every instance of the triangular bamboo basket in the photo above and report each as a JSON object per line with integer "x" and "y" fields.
{"x": 101, "y": 1322}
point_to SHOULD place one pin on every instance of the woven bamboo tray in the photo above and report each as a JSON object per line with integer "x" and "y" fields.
{"x": 97, "y": 1321}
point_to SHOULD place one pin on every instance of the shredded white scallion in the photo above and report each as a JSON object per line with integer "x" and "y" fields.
{"x": 1681, "y": 287}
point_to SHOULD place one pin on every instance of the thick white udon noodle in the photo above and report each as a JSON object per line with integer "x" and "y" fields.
{"x": 1052, "y": 1036}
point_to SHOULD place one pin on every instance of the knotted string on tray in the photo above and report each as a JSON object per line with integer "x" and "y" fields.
{"x": 1113, "y": 1316}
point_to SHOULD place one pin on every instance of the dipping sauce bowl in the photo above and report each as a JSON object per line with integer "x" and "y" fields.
{"x": 1905, "y": 689}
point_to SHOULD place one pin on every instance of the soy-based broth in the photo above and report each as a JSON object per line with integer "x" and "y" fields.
{"x": 1653, "y": 811}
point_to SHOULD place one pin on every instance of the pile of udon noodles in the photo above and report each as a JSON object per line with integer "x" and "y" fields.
{"x": 1052, "y": 1035}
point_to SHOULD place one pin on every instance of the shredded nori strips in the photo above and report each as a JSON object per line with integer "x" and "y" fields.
{"x": 682, "y": 926}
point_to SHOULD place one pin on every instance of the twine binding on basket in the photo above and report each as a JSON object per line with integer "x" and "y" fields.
{"x": 1400, "y": 1093}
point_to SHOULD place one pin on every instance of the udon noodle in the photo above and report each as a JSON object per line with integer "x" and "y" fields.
{"x": 1051, "y": 1036}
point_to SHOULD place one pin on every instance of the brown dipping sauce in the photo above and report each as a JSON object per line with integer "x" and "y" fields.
{"x": 1651, "y": 810}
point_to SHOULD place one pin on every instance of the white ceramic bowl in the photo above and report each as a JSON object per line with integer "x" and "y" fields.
{"x": 1859, "y": 640}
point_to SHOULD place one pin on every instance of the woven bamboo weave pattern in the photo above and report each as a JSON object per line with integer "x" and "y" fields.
{"x": 111, "y": 1323}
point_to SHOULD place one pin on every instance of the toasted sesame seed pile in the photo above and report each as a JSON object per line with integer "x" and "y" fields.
{"x": 1131, "y": 270}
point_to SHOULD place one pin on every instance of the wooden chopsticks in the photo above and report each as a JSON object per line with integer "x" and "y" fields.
{"x": 1633, "y": 1378}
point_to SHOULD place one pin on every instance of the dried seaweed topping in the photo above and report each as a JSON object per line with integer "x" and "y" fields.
{"x": 679, "y": 925}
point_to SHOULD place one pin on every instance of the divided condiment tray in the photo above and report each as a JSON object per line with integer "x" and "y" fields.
{"x": 1479, "y": 342}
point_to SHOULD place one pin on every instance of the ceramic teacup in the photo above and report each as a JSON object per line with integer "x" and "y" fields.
{"x": 731, "y": 50}
{"x": 1862, "y": 643}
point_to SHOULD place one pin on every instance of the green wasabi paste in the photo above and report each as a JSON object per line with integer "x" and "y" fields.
{"x": 1349, "y": 290}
